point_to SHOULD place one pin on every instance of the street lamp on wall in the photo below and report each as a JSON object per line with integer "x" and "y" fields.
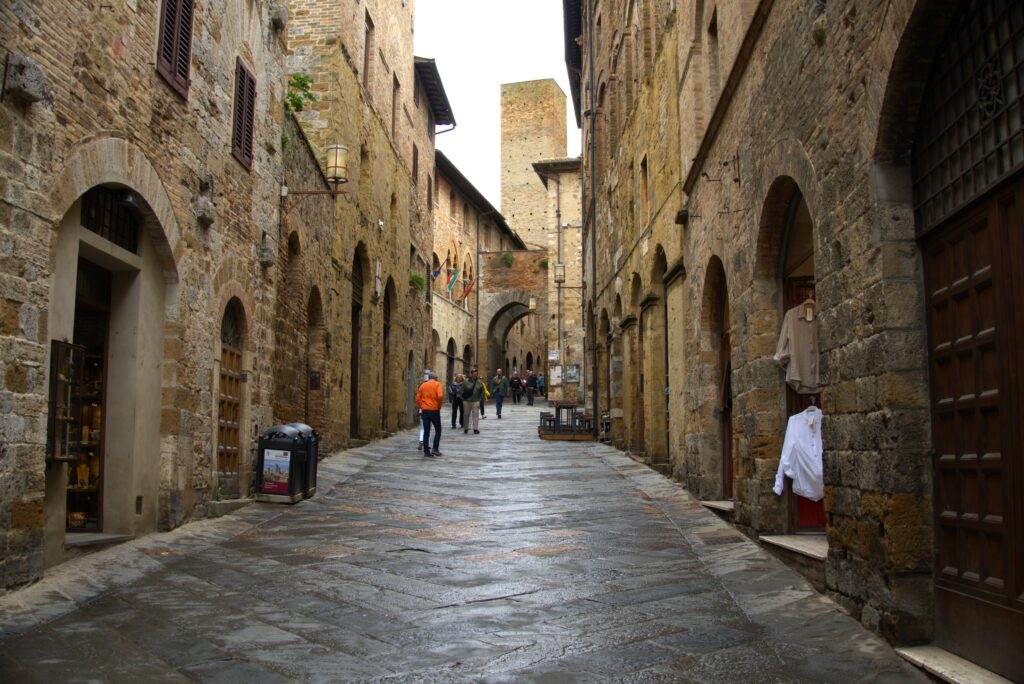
{"x": 337, "y": 164}
{"x": 336, "y": 173}
{"x": 533, "y": 304}
{"x": 559, "y": 272}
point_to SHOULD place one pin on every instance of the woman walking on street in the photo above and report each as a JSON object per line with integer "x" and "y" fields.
{"x": 455, "y": 397}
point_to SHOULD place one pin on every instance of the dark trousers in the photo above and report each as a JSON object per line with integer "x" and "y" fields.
{"x": 483, "y": 400}
{"x": 458, "y": 409}
{"x": 515, "y": 396}
{"x": 529, "y": 396}
{"x": 498, "y": 399}
{"x": 431, "y": 418}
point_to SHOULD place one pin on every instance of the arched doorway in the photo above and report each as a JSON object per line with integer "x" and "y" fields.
{"x": 968, "y": 182}
{"x": 716, "y": 343}
{"x": 358, "y": 280}
{"x": 385, "y": 372}
{"x": 107, "y": 294}
{"x": 604, "y": 368}
{"x": 529, "y": 360}
{"x": 655, "y": 325}
{"x": 229, "y": 399}
{"x": 797, "y": 275}
{"x": 636, "y": 368}
{"x": 449, "y": 372}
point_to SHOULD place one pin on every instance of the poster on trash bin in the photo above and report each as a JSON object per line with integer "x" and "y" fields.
{"x": 276, "y": 464}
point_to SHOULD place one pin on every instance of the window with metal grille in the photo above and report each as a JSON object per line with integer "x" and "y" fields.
{"x": 245, "y": 114}
{"x": 969, "y": 133}
{"x": 106, "y": 213}
{"x": 175, "y": 44}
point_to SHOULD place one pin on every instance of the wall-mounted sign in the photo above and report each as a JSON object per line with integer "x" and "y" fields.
{"x": 572, "y": 373}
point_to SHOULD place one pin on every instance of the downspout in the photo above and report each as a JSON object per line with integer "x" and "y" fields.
{"x": 667, "y": 388}
{"x": 479, "y": 278}
{"x": 593, "y": 206}
{"x": 558, "y": 233}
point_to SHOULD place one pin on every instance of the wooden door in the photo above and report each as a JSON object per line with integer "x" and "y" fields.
{"x": 975, "y": 291}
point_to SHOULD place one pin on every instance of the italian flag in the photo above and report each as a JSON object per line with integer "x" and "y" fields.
{"x": 454, "y": 278}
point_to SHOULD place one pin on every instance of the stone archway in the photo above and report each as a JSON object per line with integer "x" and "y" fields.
{"x": 501, "y": 311}
{"x": 131, "y": 369}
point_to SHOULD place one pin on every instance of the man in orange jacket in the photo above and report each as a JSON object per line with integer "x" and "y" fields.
{"x": 429, "y": 398}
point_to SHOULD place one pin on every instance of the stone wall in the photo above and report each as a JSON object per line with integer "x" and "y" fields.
{"x": 770, "y": 102}
{"x": 107, "y": 117}
{"x": 382, "y": 220}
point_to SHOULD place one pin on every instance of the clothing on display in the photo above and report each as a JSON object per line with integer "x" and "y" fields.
{"x": 801, "y": 455}
{"x": 798, "y": 347}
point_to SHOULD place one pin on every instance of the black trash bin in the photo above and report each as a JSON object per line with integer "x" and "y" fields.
{"x": 281, "y": 465}
{"x": 312, "y": 443}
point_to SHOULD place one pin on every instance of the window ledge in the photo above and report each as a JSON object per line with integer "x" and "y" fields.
{"x": 725, "y": 506}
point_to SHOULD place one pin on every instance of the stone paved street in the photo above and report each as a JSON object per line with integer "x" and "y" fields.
{"x": 507, "y": 560}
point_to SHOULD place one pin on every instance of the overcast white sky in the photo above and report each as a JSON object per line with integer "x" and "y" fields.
{"x": 478, "y": 45}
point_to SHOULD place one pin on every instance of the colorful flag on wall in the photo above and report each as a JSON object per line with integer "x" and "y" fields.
{"x": 468, "y": 289}
{"x": 453, "y": 279}
{"x": 438, "y": 271}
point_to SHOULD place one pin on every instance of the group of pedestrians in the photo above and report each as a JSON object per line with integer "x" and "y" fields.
{"x": 467, "y": 397}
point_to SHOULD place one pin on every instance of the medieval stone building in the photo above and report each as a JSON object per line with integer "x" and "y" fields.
{"x": 466, "y": 226}
{"x": 186, "y": 263}
{"x": 142, "y": 169}
{"x": 859, "y": 163}
{"x": 375, "y": 98}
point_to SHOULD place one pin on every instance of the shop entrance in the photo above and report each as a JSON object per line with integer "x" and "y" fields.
{"x": 84, "y": 509}
{"x": 798, "y": 290}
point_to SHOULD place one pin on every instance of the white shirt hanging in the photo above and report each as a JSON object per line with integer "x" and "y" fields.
{"x": 801, "y": 455}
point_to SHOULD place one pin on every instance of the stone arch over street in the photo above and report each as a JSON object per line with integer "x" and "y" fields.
{"x": 499, "y": 312}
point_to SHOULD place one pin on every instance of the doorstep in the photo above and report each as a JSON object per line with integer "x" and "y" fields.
{"x": 814, "y": 546}
{"x": 723, "y": 506}
{"x": 74, "y": 540}
{"x": 949, "y": 667}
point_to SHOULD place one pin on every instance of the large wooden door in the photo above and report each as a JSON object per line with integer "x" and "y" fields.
{"x": 974, "y": 278}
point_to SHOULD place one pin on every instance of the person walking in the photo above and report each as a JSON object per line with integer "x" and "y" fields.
{"x": 540, "y": 386}
{"x": 531, "y": 387}
{"x": 472, "y": 395}
{"x": 455, "y": 397}
{"x": 483, "y": 401}
{"x": 419, "y": 411}
{"x": 499, "y": 387}
{"x": 429, "y": 398}
{"x": 516, "y": 385}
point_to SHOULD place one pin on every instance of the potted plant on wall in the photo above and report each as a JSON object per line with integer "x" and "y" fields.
{"x": 417, "y": 281}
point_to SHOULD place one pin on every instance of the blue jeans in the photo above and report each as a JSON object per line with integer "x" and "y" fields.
{"x": 431, "y": 418}
{"x": 498, "y": 398}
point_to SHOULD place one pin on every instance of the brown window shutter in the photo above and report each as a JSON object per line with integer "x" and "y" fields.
{"x": 183, "y": 59}
{"x": 250, "y": 115}
{"x": 244, "y": 118}
{"x": 168, "y": 35}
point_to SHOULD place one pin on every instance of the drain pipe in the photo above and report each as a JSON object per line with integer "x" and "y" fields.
{"x": 593, "y": 206}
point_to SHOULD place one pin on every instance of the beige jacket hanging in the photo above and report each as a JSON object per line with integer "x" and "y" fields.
{"x": 797, "y": 350}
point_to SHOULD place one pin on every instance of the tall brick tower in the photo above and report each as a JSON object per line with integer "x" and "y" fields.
{"x": 532, "y": 129}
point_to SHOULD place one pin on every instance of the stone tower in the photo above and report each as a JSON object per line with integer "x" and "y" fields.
{"x": 532, "y": 129}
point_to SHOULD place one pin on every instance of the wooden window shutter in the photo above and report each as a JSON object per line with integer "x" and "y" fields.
{"x": 243, "y": 122}
{"x": 175, "y": 45}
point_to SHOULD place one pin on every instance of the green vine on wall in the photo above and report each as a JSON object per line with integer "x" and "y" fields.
{"x": 508, "y": 258}
{"x": 299, "y": 93}
{"x": 418, "y": 281}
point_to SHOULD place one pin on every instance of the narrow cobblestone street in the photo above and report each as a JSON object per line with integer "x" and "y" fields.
{"x": 508, "y": 559}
